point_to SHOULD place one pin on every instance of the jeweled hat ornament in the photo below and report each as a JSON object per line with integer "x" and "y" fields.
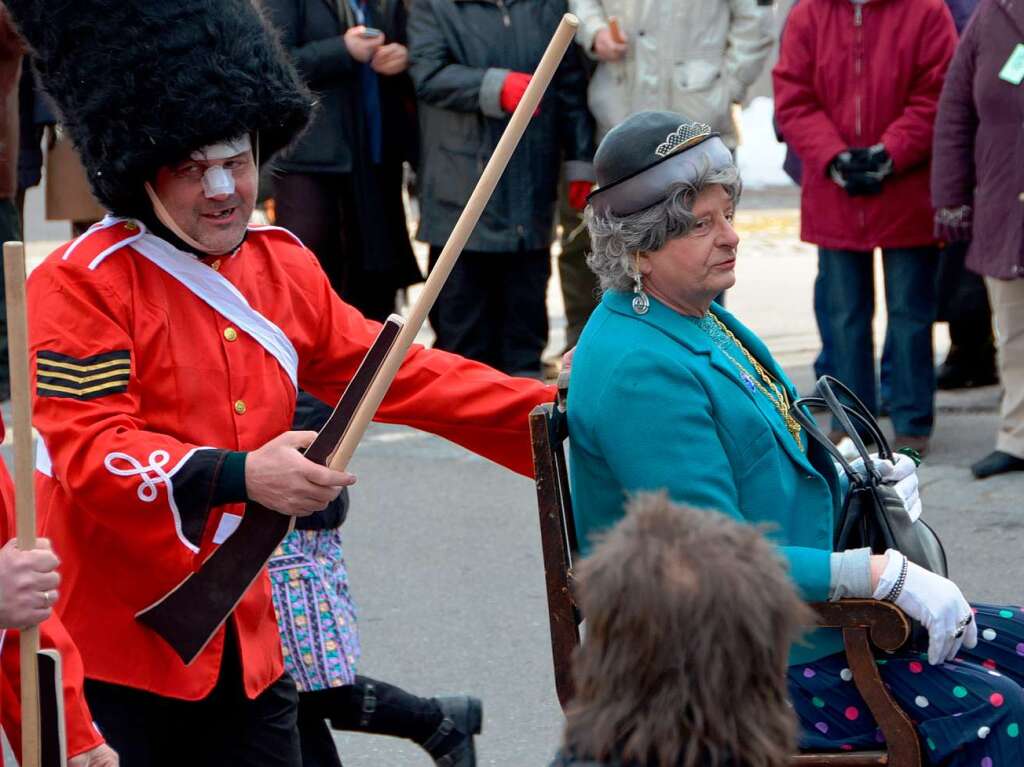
{"x": 644, "y": 156}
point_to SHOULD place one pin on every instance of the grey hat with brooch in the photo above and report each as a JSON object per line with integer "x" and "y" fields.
{"x": 640, "y": 159}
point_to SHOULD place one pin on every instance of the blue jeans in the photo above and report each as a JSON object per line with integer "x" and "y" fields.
{"x": 823, "y": 362}
{"x": 848, "y": 305}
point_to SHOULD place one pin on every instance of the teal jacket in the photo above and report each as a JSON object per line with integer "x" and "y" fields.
{"x": 654, "y": 404}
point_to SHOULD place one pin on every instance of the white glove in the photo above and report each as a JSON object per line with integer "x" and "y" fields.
{"x": 934, "y": 601}
{"x": 902, "y": 475}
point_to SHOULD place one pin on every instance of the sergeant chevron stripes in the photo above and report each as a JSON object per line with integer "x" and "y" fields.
{"x": 59, "y": 375}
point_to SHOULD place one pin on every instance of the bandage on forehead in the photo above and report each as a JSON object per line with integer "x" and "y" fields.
{"x": 223, "y": 149}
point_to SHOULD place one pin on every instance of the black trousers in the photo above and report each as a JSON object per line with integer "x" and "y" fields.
{"x": 225, "y": 728}
{"x": 963, "y": 303}
{"x": 319, "y": 208}
{"x": 493, "y": 309}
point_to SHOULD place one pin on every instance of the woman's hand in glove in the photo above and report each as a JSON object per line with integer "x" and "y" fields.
{"x": 954, "y": 224}
{"x": 513, "y": 90}
{"x": 578, "y": 192}
{"x": 934, "y": 601}
{"x": 902, "y": 476}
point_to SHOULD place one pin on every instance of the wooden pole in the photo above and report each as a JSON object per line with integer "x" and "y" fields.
{"x": 24, "y": 495}
{"x": 556, "y": 49}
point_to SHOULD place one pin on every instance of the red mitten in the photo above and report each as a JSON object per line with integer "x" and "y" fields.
{"x": 512, "y": 90}
{"x": 578, "y": 191}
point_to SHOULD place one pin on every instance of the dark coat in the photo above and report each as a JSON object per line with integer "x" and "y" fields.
{"x": 312, "y": 31}
{"x": 979, "y": 144}
{"x": 338, "y": 139}
{"x": 11, "y": 50}
{"x": 460, "y": 52}
{"x": 824, "y": 105}
{"x": 961, "y": 11}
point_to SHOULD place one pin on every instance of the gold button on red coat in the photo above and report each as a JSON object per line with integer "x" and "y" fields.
{"x": 240, "y": 407}
{"x": 230, "y": 334}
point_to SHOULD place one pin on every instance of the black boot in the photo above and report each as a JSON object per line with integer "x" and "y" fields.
{"x": 444, "y": 727}
{"x": 452, "y": 744}
{"x": 971, "y": 361}
{"x": 954, "y": 374}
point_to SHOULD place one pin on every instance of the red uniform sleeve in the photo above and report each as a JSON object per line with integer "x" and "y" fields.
{"x": 82, "y": 735}
{"x": 908, "y": 138}
{"x": 801, "y": 117}
{"x": 466, "y": 402}
{"x": 86, "y": 406}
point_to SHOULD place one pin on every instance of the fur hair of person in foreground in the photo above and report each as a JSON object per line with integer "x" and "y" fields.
{"x": 689, "y": 619}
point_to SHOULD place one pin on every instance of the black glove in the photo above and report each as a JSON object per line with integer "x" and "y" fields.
{"x": 861, "y": 171}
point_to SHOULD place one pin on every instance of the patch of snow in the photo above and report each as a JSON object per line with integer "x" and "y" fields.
{"x": 760, "y": 156}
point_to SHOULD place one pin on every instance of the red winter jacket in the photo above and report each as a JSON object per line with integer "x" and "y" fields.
{"x": 854, "y": 75}
{"x": 82, "y": 735}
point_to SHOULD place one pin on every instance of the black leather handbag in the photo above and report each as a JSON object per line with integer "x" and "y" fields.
{"x": 873, "y": 514}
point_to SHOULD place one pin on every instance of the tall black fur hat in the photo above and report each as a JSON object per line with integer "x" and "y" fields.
{"x": 142, "y": 83}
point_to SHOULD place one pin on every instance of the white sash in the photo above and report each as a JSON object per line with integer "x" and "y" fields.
{"x": 218, "y": 293}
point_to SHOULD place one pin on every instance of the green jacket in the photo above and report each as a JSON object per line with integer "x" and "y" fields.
{"x": 653, "y": 404}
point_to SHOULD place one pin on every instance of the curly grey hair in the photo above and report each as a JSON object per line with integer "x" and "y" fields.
{"x": 615, "y": 239}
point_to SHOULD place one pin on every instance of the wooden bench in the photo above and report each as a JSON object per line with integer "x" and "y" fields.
{"x": 865, "y": 623}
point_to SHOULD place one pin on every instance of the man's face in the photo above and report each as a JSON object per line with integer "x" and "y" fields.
{"x": 217, "y": 223}
{"x": 692, "y": 270}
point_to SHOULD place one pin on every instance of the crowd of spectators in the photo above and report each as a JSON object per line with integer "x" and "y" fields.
{"x": 903, "y": 139}
{"x": 413, "y": 97}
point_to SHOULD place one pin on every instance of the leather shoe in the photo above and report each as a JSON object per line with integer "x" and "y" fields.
{"x": 452, "y": 744}
{"x": 961, "y": 376}
{"x": 997, "y": 462}
{"x": 918, "y": 442}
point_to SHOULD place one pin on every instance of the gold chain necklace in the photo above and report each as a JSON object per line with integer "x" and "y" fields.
{"x": 777, "y": 394}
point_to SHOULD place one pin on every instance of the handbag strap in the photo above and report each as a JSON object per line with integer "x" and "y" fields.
{"x": 840, "y": 414}
{"x": 810, "y": 425}
{"x": 827, "y": 387}
{"x": 867, "y": 424}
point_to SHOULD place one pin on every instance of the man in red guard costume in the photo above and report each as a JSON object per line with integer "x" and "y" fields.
{"x": 168, "y": 343}
{"x": 28, "y": 589}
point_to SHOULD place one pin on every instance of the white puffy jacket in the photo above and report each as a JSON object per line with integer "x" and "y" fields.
{"x": 697, "y": 57}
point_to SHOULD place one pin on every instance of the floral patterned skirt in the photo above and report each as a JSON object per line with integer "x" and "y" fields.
{"x": 315, "y": 612}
